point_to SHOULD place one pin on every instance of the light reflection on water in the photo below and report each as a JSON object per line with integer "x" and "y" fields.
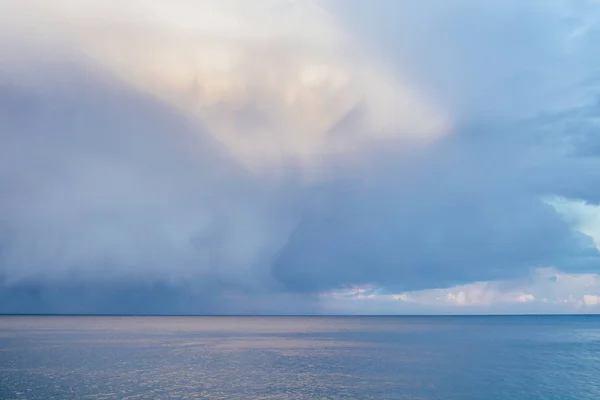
{"x": 300, "y": 357}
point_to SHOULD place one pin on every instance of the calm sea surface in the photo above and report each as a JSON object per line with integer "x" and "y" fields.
{"x": 300, "y": 357}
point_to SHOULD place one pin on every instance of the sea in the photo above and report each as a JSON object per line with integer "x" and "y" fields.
{"x": 466, "y": 357}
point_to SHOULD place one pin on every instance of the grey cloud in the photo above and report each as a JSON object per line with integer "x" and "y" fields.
{"x": 106, "y": 191}
{"x": 469, "y": 208}
{"x": 111, "y": 201}
{"x": 463, "y": 213}
{"x": 156, "y": 298}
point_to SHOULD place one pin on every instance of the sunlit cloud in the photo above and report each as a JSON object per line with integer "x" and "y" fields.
{"x": 268, "y": 87}
{"x": 545, "y": 290}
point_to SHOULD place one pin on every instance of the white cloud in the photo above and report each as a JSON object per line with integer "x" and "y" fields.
{"x": 459, "y": 298}
{"x": 525, "y": 297}
{"x": 591, "y": 300}
{"x": 272, "y": 80}
{"x": 545, "y": 287}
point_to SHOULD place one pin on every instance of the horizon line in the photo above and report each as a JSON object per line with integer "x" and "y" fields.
{"x": 290, "y": 315}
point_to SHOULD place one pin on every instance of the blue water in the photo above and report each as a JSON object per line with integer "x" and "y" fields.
{"x": 525, "y": 357}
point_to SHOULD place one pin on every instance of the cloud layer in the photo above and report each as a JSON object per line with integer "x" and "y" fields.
{"x": 545, "y": 290}
{"x": 210, "y": 157}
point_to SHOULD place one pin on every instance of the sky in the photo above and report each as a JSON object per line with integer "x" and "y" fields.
{"x": 299, "y": 156}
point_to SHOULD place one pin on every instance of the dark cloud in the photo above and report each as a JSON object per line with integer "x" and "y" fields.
{"x": 108, "y": 194}
{"x": 115, "y": 297}
{"x": 469, "y": 208}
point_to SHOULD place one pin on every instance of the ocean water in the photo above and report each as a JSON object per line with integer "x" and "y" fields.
{"x": 524, "y": 357}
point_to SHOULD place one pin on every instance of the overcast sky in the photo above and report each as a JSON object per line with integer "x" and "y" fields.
{"x": 307, "y": 156}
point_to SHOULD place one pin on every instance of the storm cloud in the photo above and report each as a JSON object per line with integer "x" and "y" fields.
{"x": 215, "y": 157}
